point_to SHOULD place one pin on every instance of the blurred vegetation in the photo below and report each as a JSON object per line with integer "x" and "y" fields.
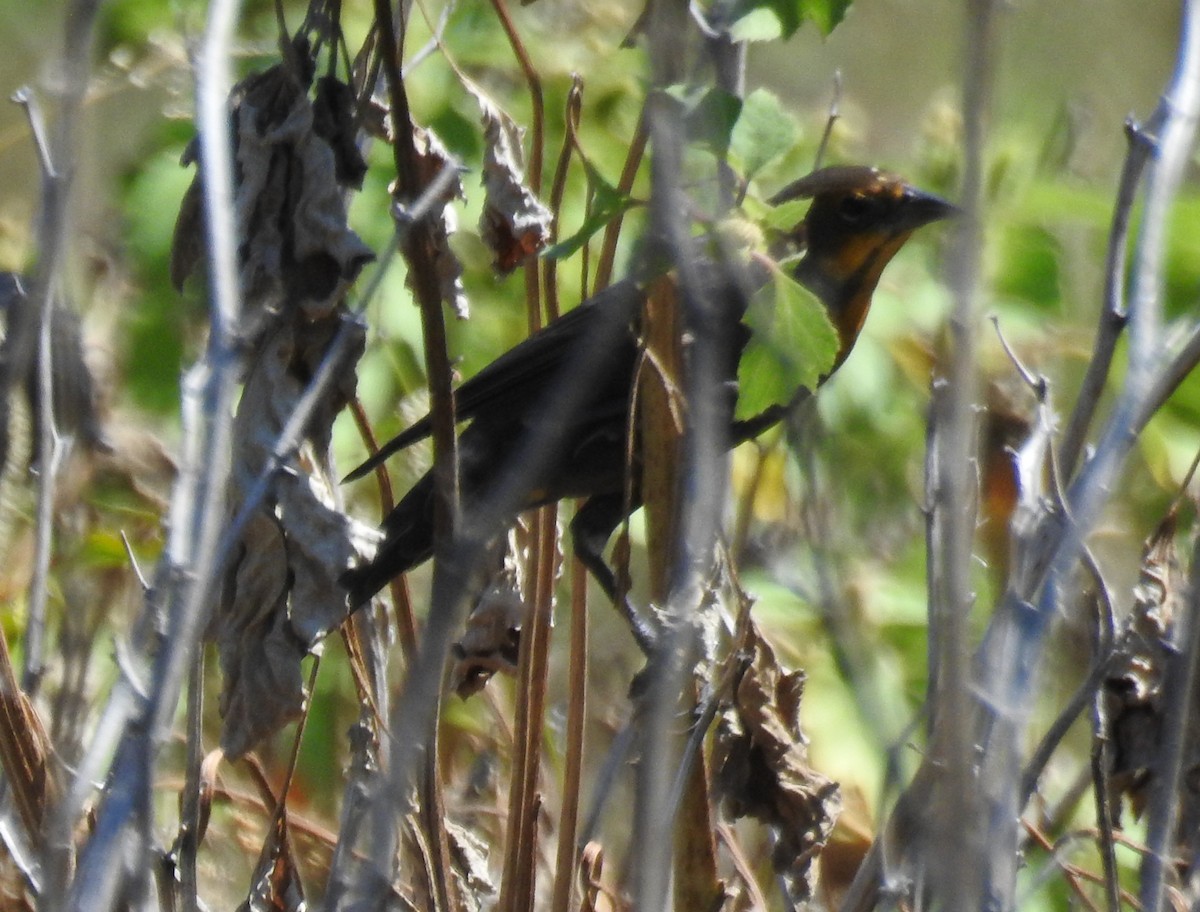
{"x": 835, "y": 502}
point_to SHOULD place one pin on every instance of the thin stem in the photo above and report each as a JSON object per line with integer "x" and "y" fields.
{"x": 189, "y": 812}
{"x": 608, "y": 247}
{"x": 951, "y": 838}
{"x": 568, "y": 819}
{"x": 198, "y": 505}
{"x": 1113, "y": 317}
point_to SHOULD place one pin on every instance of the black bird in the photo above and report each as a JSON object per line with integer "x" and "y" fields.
{"x": 859, "y": 218}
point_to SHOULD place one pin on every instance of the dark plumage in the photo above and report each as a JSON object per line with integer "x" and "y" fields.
{"x": 858, "y": 220}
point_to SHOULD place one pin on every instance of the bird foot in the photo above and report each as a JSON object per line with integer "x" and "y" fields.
{"x": 645, "y": 632}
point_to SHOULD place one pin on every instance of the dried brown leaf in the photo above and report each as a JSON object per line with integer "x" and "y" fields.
{"x": 187, "y": 240}
{"x": 140, "y": 459}
{"x": 851, "y": 840}
{"x": 262, "y": 687}
{"x": 73, "y": 389}
{"x": 469, "y": 858}
{"x": 15, "y": 895}
{"x": 1133, "y": 688}
{"x": 333, "y": 121}
{"x": 25, "y": 751}
{"x": 296, "y": 250}
{"x": 591, "y": 873}
{"x": 1135, "y": 698}
{"x": 514, "y": 223}
{"x": 281, "y": 593}
{"x": 492, "y": 640}
{"x": 761, "y": 764}
{"x": 432, "y": 162}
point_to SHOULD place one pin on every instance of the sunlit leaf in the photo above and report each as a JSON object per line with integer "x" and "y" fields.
{"x": 766, "y": 20}
{"x": 759, "y": 24}
{"x": 104, "y": 548}
{"x": 763, "y": 132}
{"x": 825, "y": 14}
{"x": 783, "y": 217}
{"x": 793, "y": 345}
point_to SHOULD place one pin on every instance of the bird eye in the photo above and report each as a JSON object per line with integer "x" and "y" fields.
{"x": 854, "y": 210}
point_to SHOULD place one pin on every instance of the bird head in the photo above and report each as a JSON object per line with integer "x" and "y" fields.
{"x": 859, "y": 218}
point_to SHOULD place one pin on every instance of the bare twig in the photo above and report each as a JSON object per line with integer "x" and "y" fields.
{"x": 197, "y": 511}
{"x": 701, "y": 470}
{"x": 568, "y": 852}
{"x": 413, "y": 724}
{"x": 1074, "y": 875}
{"x": 608, "y": 246}
{"x": 1101, "y": 763}
{"x": 1087, "y": 692}
{"x": 1015, "y": 639}
{"x": 521, "y": 855}
{"x": 1113, "y": 317}
{"x": 954, "y": 828}
{"x": 57, "y": 164}
{"x": 188, "y": 841}
{"x": 558, "y": 186}
{"x": 1036, "y": 384}
{"x": 133, "y": 563}
{"x": 47, "y": 292}
{"x": 835, "y": 113}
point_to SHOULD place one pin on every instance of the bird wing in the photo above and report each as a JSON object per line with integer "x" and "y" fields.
{"x": 513, "y": 382}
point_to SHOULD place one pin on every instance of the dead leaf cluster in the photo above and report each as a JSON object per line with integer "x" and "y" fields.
{"x": 760, "y": 763}
{"x": 296, "y": 158}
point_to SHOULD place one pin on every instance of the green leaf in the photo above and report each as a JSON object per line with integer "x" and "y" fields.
{"x": 760, "y": 382}
{"x": 784, "y": 217}
{"x": 607, "y": 203}
{"x": 1030, "y": 255}
{"x": 764, "y": 131}
{"x": 766, "y": 20}
{"x": 711, "y": 117}
{"x": 104, "y": 549}
{"x": 760, "y": 24}
{"x": 792, "y": 345}
{"x": 791, "y": 14}
{"x": 826, "y": 14}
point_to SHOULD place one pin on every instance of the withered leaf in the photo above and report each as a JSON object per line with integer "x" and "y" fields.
{"x": 1145, "y": 664}
{"x": 433, "y": 161}
{"x": 296, "y": 259}
{"x": 514, "y": 223}
{"x": 333, "y": 121}
{"x": 591, "y": 873}
{"x": 282, "y": 593}
{"x": 262, "y": 687}
{"x": 1133, "y": 687}
{"x": 469, "y": 856}
{"x": 761, "y": 764}
{"x": 492, "y": 640}
{"x": 296, "y": 248}
{"x": 26, "y": 752}
{"x": 187, "y": 240}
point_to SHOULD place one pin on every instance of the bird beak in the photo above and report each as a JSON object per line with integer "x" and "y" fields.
{"x": 921, "y": 208}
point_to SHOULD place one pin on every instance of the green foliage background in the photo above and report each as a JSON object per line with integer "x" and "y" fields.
{"x": 1070, "y": 73}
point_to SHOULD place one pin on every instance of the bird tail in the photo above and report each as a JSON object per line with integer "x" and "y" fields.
{"x": 408, "y": 540}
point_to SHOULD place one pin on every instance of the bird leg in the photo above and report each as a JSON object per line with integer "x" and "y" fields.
{"x": 592, "y": 527}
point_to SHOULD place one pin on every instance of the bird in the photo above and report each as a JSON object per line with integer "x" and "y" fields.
{"x": 858, "y": 219}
